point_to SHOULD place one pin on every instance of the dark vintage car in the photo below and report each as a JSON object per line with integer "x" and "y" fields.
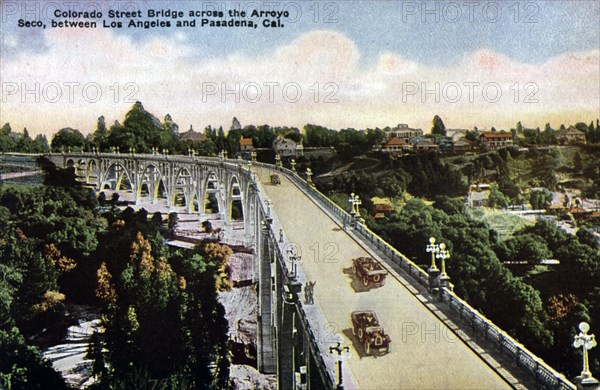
{"x": 366, "y": 327}
{"x": 275, "y": 179}
{"x": 369, "y": 270}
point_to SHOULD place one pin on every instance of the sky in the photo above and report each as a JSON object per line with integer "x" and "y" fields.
{"x": 340, "y": 64}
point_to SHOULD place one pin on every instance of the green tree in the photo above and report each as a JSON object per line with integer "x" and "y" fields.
{"x": 525, "y": 247}
{"x": 497, "y": 199}
{"x": 438, "y": 127}
{"x": 540, "y": 199}
{"x": 68, "y": 139}
{"x": 100, "y": 135}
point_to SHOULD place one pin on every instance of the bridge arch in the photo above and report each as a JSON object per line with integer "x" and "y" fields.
{"x": 183, "y": 188}
{"x": 212, "y": 193}
{"x": 235, "y": 199}
{"x": 152, "y": 184}
{"x": 117, "y": 177}
{"x": 92, "y": 171}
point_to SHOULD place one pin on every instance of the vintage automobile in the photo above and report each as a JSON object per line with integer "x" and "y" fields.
{"x": 275, "y": 179}
{"x": 371, "y": 335}
{"x": 369, "y": 270}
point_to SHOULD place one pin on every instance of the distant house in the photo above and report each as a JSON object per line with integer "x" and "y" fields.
{"x": 246, "y": 144}
{"x": 403, "y": 132}
{"x": 570, "y": 136}
{"x": 462, "y": 145}
{"x": 191, "y": 135}
{"x": 494, "y": 141}
{"x": 478, "y": 195}
{"x": 382, "y": 210}
{"x": 425, "y": 145}
{"x": 286, "y": 147}
{"x": 395, "y": 146}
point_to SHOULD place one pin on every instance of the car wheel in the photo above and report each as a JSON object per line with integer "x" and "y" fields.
{"x": 365, "y": 281}
{"x": 360, "y": 334}
{"x": 367, "y": 348}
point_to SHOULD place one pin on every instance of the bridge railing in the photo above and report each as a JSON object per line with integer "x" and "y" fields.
{"x": 543, "y": 374}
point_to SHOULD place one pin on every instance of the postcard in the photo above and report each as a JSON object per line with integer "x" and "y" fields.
{"x": 300, "y": 194}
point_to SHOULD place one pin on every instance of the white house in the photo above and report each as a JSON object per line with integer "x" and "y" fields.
{"x": 286, "y": 147}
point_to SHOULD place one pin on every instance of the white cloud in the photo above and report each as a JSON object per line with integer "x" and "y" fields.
{"x": 171, "y": 77}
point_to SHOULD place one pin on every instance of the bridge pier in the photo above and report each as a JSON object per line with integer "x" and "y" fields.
{"x": 265, "y": 258}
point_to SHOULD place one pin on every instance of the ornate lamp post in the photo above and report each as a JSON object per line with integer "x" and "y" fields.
{"x": 293, "y": 260}
{"x": 355, "y": 202}
{"x": 443, "y": 254}
{"x": 253, "y": 154}
{"x": 586, "y": 342}
{"x": 278, "y": 160}
{"x": 293, "y": 162}
{"x": 433, "y": 271}
{"x": 309, "y": 176}
{"x": 432, "y": 248}
{"x": 339, "y": 350}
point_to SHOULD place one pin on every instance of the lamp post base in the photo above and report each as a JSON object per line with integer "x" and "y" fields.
{"x": 433, "y": 279}
{"x": 587, "y": 383}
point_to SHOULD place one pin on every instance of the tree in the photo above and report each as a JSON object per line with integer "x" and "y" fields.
{"x": 540, "y": 199}
{"x": 544, "y": 168}
{"x": 438, "y": 127}
{"x": 100, "y": 135}
{"x": 68, "y": 139}
{"x": 497, "y": 199}
{"x": 525, "y": 247}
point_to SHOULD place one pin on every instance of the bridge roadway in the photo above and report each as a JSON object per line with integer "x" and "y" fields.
{"x": 425, "y": 353}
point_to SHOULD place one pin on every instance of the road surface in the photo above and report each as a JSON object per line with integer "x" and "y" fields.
{"x": 425, "y": 353}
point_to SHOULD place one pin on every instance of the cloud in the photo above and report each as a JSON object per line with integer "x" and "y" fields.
{"x": 318, "y": 77}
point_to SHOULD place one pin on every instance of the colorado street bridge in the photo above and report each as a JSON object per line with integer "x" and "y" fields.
{"x": 300, "y": 238}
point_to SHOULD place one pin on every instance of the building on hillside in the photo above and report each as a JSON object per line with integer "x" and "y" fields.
{"x": 425, "y": 145}
{"x": 286, "y": 147}
{"x": 462, "y": 146}
{"x": 191, "y": 135}
{"x": 246, "y": 144}
{"x": 403, "y": 132}
{"x": 395, "y": 147}
{"x": 478, "y": 195}
{"x": 570, "y": 136}
{"x": 494, "y": 140}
